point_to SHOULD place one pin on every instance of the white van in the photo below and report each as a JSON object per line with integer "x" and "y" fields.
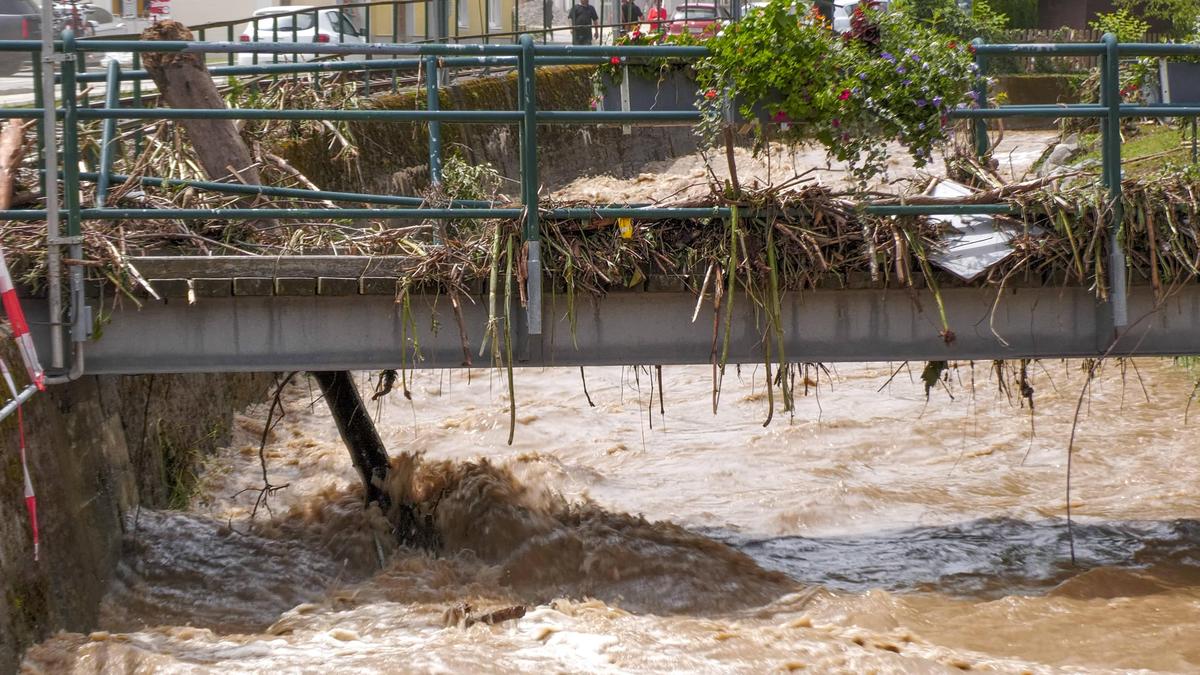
{"x": 843, "y": 10}
{"x": 301, "y": 25}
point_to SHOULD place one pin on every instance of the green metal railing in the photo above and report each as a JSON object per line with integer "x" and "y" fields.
{"x": 526, "y": 57}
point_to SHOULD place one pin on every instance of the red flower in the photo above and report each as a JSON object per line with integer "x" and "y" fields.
{"x": 952, "y": 45}
{"x": 710, "y": 94}
{"x": 837, "y": 123}
{"x": 971, "y": 48}
{"x": 636, "y": 34}
{"x": 845, "y": 95}
{"x": 616, "y": 60}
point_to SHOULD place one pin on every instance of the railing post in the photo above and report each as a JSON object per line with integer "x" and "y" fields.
{"x": 435, "y": 126}
{"x": 80, "y": 317}
{"x": 49, "y": 145}
{"x": 137, "y": 102}
{"x": 982, "y": 147}
{"x": 1110, "y": 82}
{"x": 529, "y": 186}
{"x": 112, "y": 100}
{"x": 39, "y": 102}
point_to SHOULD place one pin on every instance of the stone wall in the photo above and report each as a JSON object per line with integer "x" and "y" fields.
{"x": 393, "y": 157}
{"x": 98, "y": 448}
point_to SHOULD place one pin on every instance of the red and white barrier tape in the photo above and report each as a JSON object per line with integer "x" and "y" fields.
{"x": 20, "y": 329}
{"x": 30, "y": 497}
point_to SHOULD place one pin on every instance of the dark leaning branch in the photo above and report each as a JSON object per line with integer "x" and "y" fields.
{"x": 370, "y": 458}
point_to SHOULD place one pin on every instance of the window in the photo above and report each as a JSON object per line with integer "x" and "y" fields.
{"x": 464, "y": 14}
{"x": 695, "y": 13}
{"x": 286, "y": 22}
{"x": 495, "y": 21}
{"x": 100, "y": 15}
{"x": 345, "y": 25}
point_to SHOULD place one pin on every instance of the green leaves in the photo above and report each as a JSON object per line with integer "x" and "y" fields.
{"x": 784, "y": 66}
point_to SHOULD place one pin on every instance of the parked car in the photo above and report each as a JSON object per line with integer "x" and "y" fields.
{"x": 697, "y": 19}
{"x": 19, "y": 20}
{"x": 843, "y": 10}
{"x": 311, "y": 24}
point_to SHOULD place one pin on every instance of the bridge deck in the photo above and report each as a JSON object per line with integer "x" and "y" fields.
{"x": 276, "y": 323}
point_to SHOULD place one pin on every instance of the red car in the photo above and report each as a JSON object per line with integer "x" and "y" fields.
{"x": 697, "y": 19}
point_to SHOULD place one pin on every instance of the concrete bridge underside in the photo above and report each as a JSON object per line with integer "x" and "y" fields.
{"x": 282, "y": 333}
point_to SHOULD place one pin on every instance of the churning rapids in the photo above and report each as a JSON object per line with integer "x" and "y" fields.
{"x": 872, "y": 532}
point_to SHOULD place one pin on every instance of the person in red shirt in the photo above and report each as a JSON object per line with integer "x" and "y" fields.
{"x": 657, "y": 16}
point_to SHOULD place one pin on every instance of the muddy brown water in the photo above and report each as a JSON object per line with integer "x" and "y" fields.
{"x": 872, "y": 531}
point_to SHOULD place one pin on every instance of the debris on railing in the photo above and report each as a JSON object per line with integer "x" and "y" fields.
{"x": 973, "y": 244}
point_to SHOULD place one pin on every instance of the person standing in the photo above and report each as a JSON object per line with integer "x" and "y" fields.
{"x": 584, "y": 21}
{"x": 657, "y": 16}
{"x": 631, "y": 15}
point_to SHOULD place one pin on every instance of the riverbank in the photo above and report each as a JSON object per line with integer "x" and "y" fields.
{"x": 99, "y": 449}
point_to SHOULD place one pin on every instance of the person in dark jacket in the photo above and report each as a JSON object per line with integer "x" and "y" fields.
{"x": 585, "y": 21}
{"x": 631, "y": 15}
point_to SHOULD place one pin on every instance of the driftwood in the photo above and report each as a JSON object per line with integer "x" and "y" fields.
{"x": 183, "y": 81}
{"x": 460, "y": 615}
{"x": 358, "y": 433}
{"x": 12, "y": 146}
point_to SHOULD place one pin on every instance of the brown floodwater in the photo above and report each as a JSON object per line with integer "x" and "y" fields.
{"x": 873, "y": 530}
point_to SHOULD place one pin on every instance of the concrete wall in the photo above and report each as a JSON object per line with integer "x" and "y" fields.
{"x": 97, "y": 448}
{"x": 393, "y": 157}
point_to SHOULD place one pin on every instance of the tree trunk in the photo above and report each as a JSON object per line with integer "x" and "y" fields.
{"x": 358, "y": 432}
{"x": 183, "y": 81}
{"x": 12, "y": 147}
{"x": 410, "y": 525}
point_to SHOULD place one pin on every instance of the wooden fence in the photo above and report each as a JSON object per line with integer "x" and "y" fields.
{"x": 1056, "y": 64}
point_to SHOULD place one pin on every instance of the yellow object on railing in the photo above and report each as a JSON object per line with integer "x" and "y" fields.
{"x": 626, "y": 227}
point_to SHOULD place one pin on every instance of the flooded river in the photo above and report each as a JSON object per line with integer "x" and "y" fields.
{"x": 873, "y": 531}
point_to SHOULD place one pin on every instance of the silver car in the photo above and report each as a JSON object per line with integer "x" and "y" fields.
{"x": 300, "y": 25}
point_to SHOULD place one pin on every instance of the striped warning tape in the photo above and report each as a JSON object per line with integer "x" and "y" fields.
{"x": 30, "y": 496}
{"x": 20, "y": 329}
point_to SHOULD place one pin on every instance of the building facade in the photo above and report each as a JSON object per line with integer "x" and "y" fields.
{"x": 387, "y": 21}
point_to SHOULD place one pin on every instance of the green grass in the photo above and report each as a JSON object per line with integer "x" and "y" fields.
{"x": 1166, "y": 144}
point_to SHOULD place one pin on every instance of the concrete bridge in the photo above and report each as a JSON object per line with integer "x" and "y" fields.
{"x": 311, "y": 313}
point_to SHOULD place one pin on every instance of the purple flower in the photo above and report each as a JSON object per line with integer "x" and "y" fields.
{"x": 921, "y": 103}
{"x": 887, "y": 56}
{"x": 901, "y": 70}
{"x": 862, "y": 76}
{"x": 974, "y": 96}
{"x": 907, "y": 83}
{"x": 914, "y": 57}
{"x": 937, "y": 101}
{"x": 921, "y": 126}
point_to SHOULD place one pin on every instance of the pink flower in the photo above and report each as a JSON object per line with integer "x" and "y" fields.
{"x": 845, "y": 95}
{"x": 710, "y": 94}
{"x": 616, "y": 60}
{"x": 781, "y": 118}
{"x": 836, "y": 123}
{"x": 636, "y": 34}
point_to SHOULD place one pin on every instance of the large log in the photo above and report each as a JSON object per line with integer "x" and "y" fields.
{"x": 358, "y": 433}
{"x": 12, "y": 147}
{"x": 183, "y": 81}
{"x": 410, "y": 525}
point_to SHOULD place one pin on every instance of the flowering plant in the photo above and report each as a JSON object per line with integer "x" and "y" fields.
{"x": 613, "y": 70}
{"x": 889, "y": 78}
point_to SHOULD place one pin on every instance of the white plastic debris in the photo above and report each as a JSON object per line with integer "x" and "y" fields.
{"x": 974, "y": 243}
